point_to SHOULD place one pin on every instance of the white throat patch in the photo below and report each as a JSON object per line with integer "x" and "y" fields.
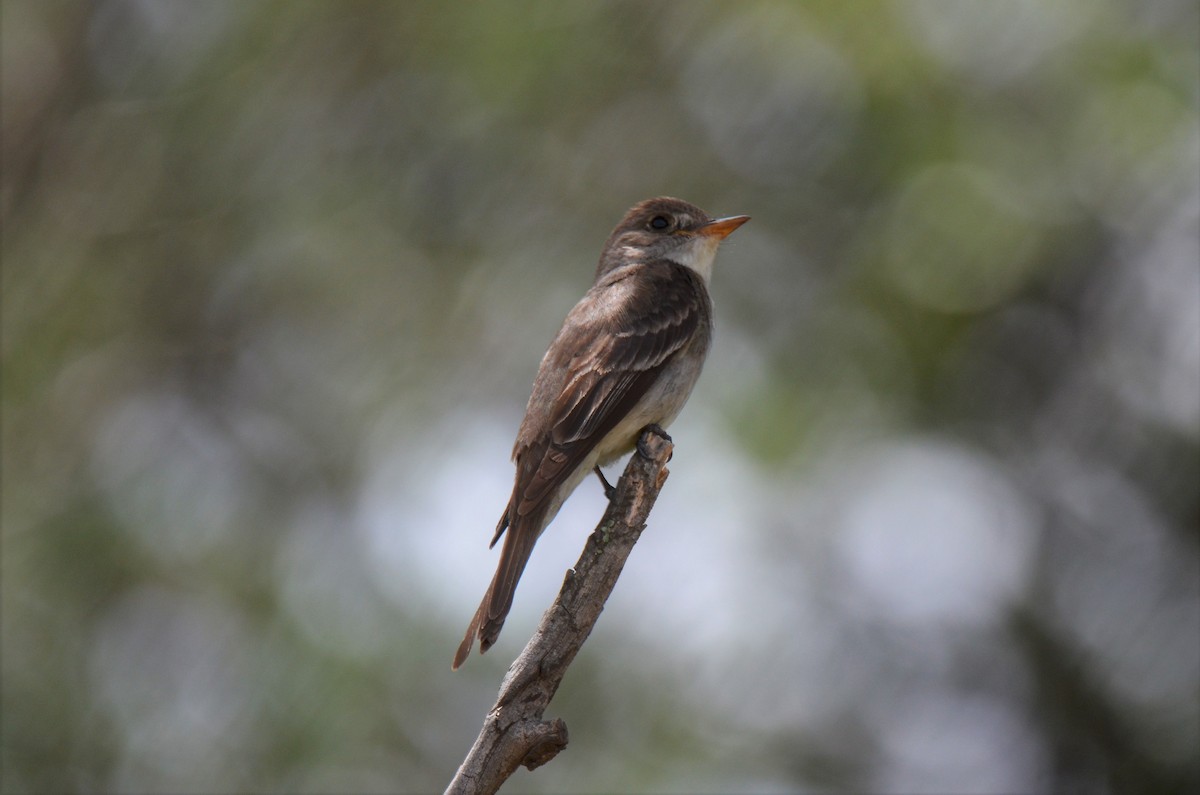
{"x": 698, "y": 254}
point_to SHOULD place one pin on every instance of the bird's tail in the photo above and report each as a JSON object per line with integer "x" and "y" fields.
{"x": 497, "y": 601}
{"x": 464, "y": 648}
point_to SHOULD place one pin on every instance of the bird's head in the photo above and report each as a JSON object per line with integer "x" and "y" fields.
{"x": 671, "y": 229}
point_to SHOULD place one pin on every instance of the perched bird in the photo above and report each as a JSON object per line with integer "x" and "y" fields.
{"x": 626, "y": 358}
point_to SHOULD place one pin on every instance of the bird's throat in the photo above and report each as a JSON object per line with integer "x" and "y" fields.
{"x": 698, "y": 254}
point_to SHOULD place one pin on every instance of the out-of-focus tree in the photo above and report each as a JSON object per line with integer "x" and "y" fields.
{"x": 275, "y": 280}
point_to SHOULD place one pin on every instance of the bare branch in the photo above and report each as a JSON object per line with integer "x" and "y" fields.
{"x": 513, "y": 732}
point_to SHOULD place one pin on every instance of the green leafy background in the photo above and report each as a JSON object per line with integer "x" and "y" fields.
{"x": 276, "y": 278}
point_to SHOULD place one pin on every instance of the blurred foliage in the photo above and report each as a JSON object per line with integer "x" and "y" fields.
{"x": 276, "y": 277}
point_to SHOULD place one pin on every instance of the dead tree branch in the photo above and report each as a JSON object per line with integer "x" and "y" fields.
{"x": 514, "y": 732}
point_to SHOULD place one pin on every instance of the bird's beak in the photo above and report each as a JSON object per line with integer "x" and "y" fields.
{"x": 722, "y": 227}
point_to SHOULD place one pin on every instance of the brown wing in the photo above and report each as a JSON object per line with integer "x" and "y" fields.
{"x": 608, "y": 353}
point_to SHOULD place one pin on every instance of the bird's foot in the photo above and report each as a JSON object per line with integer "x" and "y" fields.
{"x": 657, "y": 430}
{"x": 609, "y": 489}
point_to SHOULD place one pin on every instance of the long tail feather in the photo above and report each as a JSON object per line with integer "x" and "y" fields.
{"x": 497, "y": 601}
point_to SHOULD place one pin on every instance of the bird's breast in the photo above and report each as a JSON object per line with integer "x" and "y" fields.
{"x": 659, "y": 406}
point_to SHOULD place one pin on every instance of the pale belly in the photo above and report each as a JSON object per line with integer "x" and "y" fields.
{"x": 660, "y": 406}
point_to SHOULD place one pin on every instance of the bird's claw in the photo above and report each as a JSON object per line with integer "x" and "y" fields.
{"x": 657, "y": 430}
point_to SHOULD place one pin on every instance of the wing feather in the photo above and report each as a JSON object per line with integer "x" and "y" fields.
{"x": 617, "y": 339}
{"x": 607, "y": 355}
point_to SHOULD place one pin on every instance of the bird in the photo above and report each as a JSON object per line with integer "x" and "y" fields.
{"x": 625, "y": 359}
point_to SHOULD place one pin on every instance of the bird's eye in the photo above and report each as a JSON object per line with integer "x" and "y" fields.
{"x": 659, "y": 222}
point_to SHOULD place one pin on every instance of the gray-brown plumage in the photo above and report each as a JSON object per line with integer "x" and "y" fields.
{"x": 627, "y": 356}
